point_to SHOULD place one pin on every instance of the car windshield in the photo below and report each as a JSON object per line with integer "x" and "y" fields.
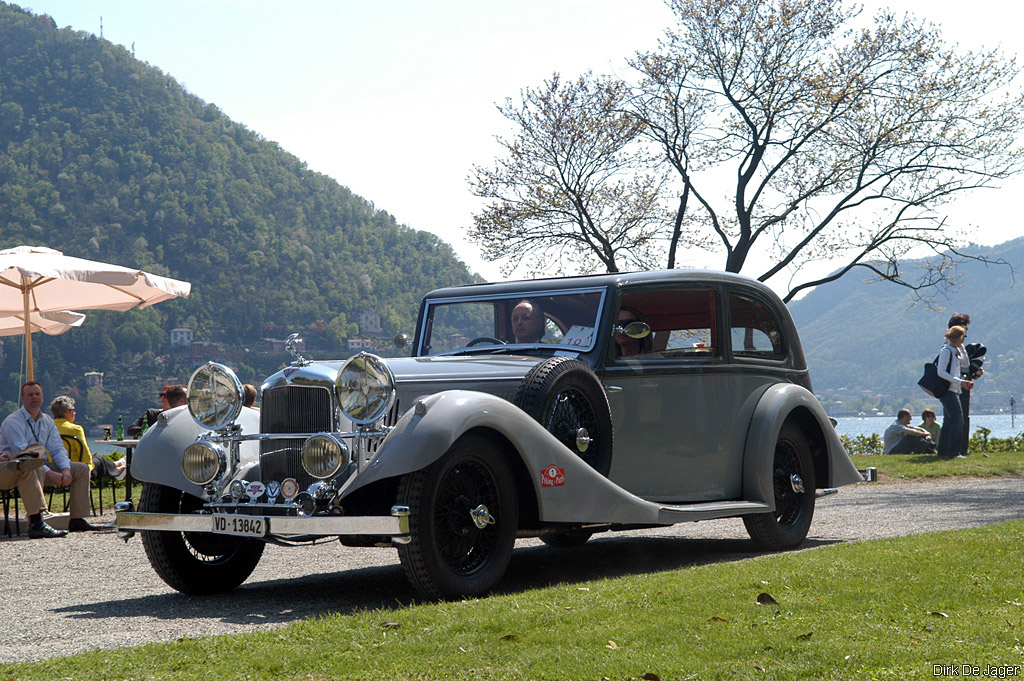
{"x": 492, "y": 323}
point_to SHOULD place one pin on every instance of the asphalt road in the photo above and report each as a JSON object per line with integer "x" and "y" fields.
{"x": 92, "y": 590}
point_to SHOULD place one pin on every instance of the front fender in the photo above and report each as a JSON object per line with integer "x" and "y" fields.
{"x": 778, "y": 403}
{"x": 577, "y": 494}
{"x": 157, "y": 458}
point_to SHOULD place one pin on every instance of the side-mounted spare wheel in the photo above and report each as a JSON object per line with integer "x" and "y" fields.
{"x": 793, "y": 483}
{"x": 194, "y": 563}
{"x": 566, "y": 397}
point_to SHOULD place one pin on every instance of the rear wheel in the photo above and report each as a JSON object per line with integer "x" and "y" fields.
{"x": 194, "y": 563}
{"x": 793, "y": 483}
{"x": 463, "y": 520}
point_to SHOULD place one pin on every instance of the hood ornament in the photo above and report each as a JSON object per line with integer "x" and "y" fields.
{"x": 290, "y": 344}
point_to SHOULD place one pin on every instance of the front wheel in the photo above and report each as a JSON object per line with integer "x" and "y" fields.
{"x": 793, "y": 482}
{"x": 194, "y": 563}
{"x": 463, "y": 520}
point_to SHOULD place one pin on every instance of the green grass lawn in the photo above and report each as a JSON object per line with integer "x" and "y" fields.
{"x": 884, "y": 609}
{"x": 903, "y": 467}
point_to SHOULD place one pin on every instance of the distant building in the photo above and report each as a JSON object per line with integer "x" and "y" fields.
{"x": 368, "y": 321}
{"x": 94, "y": 379}
{"x": 359, "y": 344}
{"x": 181, "y": 337}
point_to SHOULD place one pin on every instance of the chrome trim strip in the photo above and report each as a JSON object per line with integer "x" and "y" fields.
{"x": 256, "y": 437}
{"x": 278, "y": 526}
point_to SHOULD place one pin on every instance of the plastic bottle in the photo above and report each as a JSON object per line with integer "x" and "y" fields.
{"x": 145, "y": 427}
{"x": 120, "y": 428}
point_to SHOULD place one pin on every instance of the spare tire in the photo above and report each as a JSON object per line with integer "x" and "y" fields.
{"x": 565, "y": 396}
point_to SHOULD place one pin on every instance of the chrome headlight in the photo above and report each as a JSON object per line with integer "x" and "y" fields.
{"x": 323, "y": 455}
{"x": 365, "y": 387}
{"x": 202, "y": 462}
{"x": 214, "y": 396}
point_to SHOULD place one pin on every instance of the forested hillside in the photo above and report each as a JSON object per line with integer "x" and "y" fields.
{"x": 108, "y": 158}
{"x": 868, "y": 337}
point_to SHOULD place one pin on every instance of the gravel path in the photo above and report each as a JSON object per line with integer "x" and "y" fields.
{"x": 101, "y": 592}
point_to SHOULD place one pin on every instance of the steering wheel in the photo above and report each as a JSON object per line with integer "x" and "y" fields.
{"x": 485, "y": 339}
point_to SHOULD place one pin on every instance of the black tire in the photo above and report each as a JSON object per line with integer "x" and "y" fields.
{"x": 194, "y": 563}
{"x": 449, "y": 555}
{"x": 564, "y": 395}
{"x": 567, "y": 539}
{"x": 787, "y": 527}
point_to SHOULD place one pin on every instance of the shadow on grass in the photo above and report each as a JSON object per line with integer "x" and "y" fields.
{"x": 345, "y": 592}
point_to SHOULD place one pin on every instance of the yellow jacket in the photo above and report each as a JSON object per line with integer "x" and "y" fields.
{"x": 65, "y": 427}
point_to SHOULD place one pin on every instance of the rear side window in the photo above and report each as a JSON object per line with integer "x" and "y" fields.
{"x": 754, "y": 330}
{"x": 683, "y": 324}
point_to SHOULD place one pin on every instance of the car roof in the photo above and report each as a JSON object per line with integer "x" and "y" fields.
{"x": 603, "y": 281}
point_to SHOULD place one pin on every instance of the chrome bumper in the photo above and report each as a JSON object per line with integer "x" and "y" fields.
{"x": 396, "y": 524}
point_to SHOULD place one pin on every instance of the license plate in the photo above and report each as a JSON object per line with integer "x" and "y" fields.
{"x": 243, "y": 525}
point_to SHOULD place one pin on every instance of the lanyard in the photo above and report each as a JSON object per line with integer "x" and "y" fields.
{"x": 33, "y": 429}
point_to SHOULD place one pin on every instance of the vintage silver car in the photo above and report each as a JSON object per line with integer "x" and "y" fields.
{"x": 552, "y": 408}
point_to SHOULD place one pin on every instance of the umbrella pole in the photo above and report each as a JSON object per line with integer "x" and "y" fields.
{"x": 28, "y": 335}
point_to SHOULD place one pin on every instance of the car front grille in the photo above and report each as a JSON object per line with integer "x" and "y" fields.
{"x": 292, "y": 409}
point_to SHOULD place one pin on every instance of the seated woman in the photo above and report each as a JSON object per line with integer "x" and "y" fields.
{"x": 626, "y": 346}
{"x": 64, "y": 412}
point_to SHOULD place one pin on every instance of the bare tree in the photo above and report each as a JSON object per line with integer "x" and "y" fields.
{"x": 843, "y": 142}
{"x": 572, "y": 190}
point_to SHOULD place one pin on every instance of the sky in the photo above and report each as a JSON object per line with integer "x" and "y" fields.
{"x": 397, "y": 99}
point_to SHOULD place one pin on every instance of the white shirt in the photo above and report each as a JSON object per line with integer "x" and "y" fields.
{"x": 19, "y": 430}
{"x": 948, "y": 366}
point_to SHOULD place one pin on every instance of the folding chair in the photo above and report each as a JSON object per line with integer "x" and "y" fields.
{"x": 9, "y": 497}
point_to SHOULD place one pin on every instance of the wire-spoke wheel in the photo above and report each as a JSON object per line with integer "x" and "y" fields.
{"x": 794, "y": 488}
{"x": 566, "y": 397}
{"x": 464, "y": 513}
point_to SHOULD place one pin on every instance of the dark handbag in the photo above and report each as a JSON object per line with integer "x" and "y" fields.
{"x": 931, "y": 383}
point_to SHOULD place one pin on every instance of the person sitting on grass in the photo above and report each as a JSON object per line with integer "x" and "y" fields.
{"x": 903, "y": 438}
{"x": 929, "y": 423}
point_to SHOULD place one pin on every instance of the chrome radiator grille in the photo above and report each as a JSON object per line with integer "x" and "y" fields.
{"x": 291, "y": 409}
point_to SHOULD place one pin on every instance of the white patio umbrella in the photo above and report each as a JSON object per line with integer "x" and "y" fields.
{"x": 39, "y": 280}
{"x": 50, "y": 323}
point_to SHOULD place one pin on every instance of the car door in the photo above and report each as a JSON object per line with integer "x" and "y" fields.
{"x": 673, "y": 430}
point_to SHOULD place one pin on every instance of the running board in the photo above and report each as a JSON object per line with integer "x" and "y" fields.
{"x": 709, "y": 510}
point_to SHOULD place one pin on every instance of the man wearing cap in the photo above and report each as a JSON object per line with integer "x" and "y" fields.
{"x": 29, "y": 425}
{"x": 19, "y": 470}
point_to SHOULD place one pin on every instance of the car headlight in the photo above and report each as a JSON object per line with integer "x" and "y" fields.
{"x": 323, "y": 455}
{"x": 202, "y": 462}
{"x": 214, "y": 396}
{"x": 365, "y": 387}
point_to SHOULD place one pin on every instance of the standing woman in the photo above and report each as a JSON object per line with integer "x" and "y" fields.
{"x": 948, "y": 367}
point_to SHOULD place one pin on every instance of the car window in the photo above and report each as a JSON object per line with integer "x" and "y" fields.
{"x": 563, "y": 319}
{"x": 683, "y": 324}
{"x": 754, "y": 330}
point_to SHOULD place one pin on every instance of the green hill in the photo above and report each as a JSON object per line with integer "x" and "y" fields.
{"x": 869, "y": 337}
{"x": 105, "y": 157}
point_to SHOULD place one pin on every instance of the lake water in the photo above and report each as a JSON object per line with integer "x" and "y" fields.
{"x": 1001, "y": 425}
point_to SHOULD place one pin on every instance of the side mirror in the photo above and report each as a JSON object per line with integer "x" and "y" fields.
{"x": 635, "y": 330}
{"x": 401, "y": 340}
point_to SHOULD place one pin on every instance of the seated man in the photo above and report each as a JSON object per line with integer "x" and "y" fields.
{"x": 171, "y": 396}
{"x": 527, "y": 322}
{"x": 29, "y": 425}
{"x": 22, "y": 474}
{"x": 903, "y": 438}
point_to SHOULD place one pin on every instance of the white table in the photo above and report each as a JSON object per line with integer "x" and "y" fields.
{"x": 129, "y": 448}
